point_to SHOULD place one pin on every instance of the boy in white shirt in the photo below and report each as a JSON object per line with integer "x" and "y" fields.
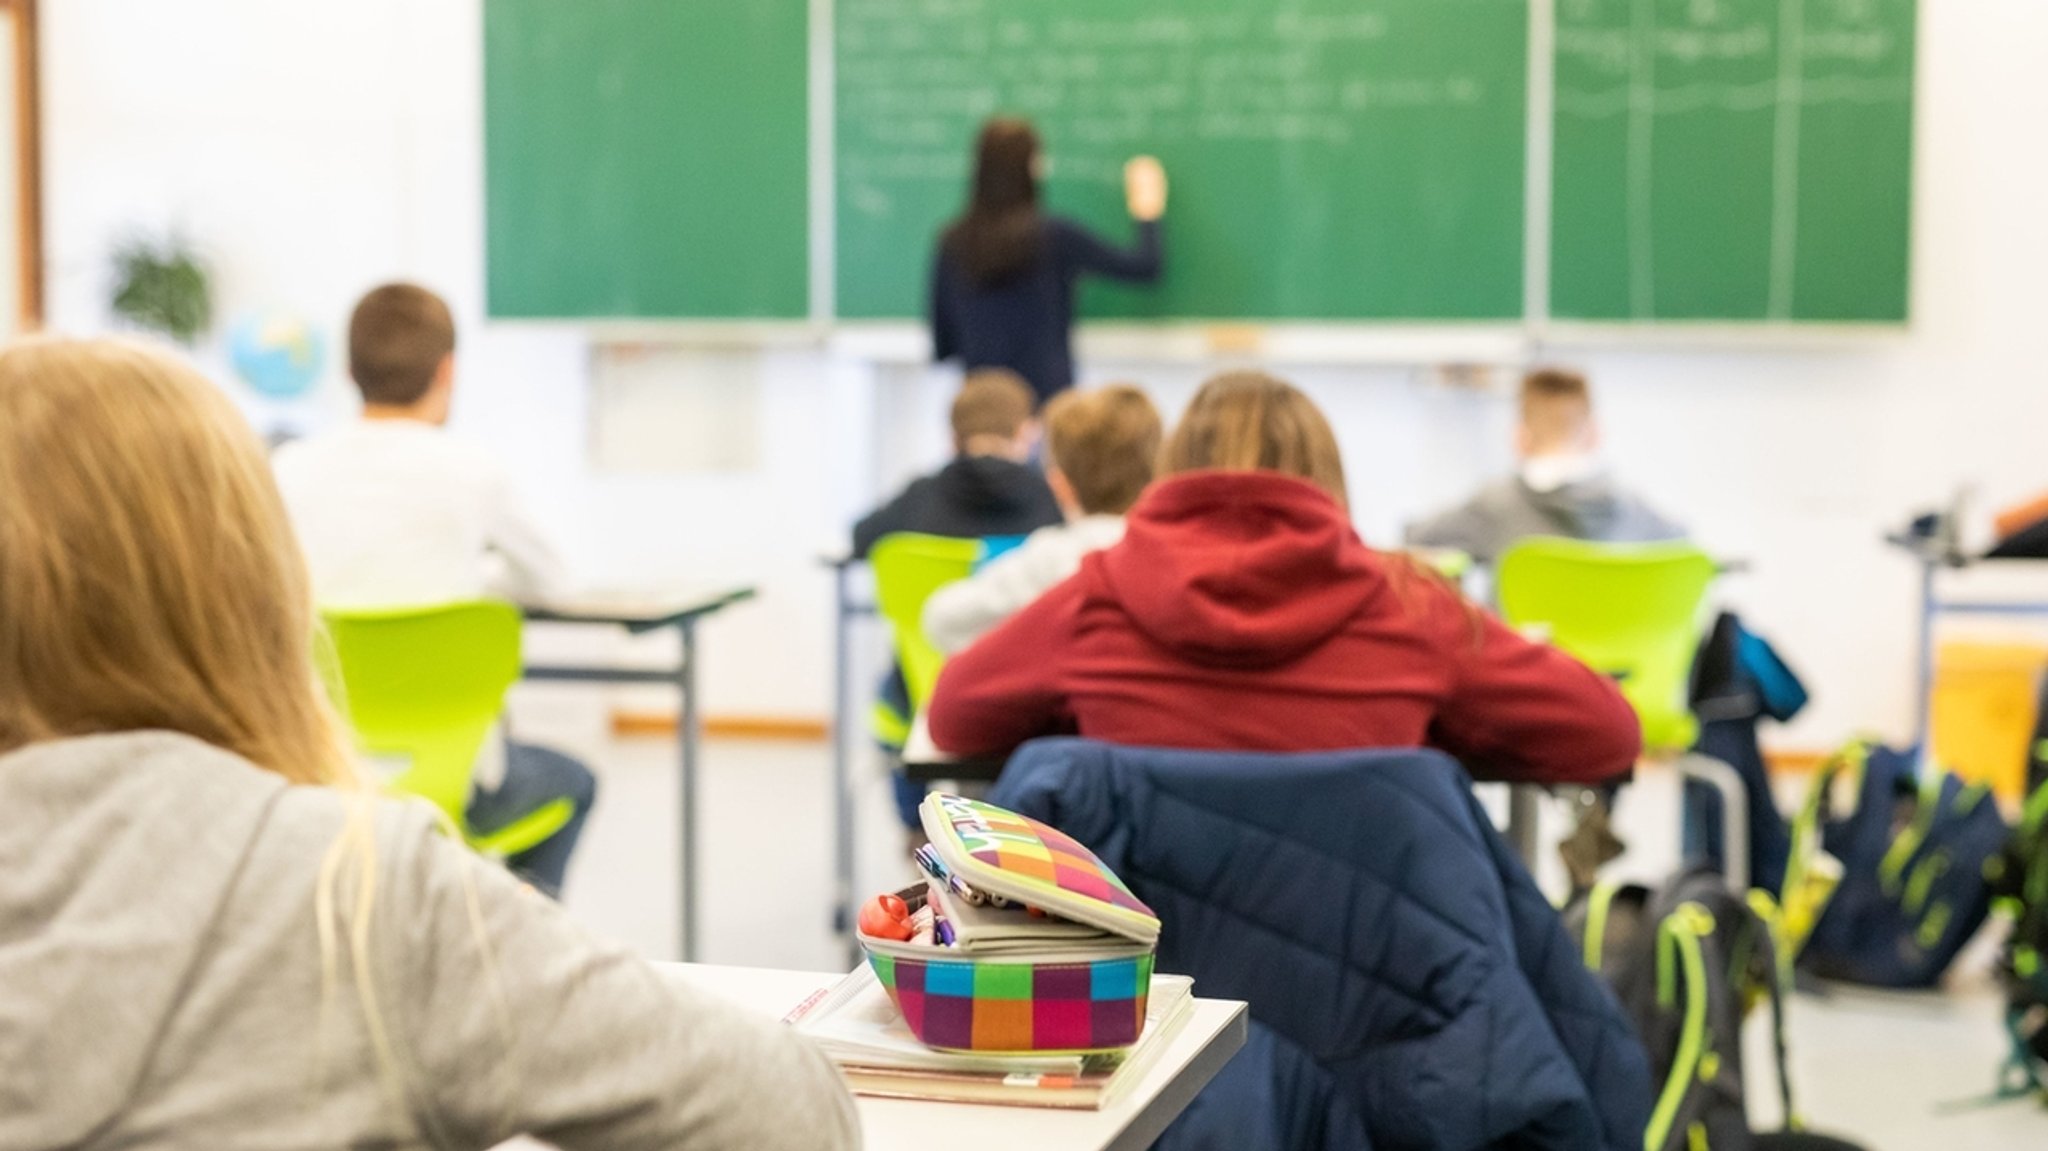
{"x": 1102, "y": 449}
{"x": 391, "y": 511}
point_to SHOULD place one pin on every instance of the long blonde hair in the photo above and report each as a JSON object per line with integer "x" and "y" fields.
{"x": 149, "y": 578}
{"x": 1250, "y": 421}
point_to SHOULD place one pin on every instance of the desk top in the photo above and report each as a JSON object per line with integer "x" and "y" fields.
{"x": 1204, "y": 1045}
{"x": 925, "y": 762}
{"x": 919, "y": 748}
{"x": 640, "y": 609}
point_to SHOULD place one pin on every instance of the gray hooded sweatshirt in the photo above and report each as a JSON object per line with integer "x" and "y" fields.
{"x": 1510, "y": 510}
{"x": 162, "y": 986}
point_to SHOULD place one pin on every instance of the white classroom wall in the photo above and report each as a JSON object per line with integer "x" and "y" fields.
{"x": 314, "y": 149}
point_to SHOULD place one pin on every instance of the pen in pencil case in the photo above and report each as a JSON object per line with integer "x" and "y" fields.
{"x": 935, "y": 869}
{"x": 928, "y": 860}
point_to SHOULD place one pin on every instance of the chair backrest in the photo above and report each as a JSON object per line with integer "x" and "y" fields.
{"x": 908, "y": 569}
{"x": 1410, "y": 936}
{"x": 426, "y": 684}
{"x": 1631, "y": 611}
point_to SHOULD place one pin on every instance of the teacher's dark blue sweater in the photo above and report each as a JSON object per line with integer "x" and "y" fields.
{"x": 1026, "y": 323}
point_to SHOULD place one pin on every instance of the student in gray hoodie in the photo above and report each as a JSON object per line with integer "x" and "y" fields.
{"x": 213, "y": 932}
{"x": 1560, "y": 489}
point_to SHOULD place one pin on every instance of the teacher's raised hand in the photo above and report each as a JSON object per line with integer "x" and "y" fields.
{"x": 1145, "y": 188}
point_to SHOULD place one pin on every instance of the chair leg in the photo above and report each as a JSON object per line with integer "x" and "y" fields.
{"x": 1734, "y": 812}
{"x": 1524, "y": 803}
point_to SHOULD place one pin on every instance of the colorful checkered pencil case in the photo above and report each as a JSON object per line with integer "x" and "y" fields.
{"x": 1071, "y": 980}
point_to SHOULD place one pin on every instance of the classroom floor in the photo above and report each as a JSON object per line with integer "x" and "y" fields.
{"x": 1887, "y": 1070}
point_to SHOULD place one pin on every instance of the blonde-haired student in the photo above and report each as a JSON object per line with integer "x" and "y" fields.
{"x": 1101, "y": 449}
{"x": 216, "y": 934}
{"x": 1241, "y": 612}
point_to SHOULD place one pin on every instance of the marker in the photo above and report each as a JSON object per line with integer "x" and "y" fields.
{"x": 929, "y": 862}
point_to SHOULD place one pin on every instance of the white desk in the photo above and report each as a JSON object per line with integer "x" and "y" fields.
{"x": 925, "y": 762}
{"x": 640, "y": 614}
{"x": 920, "y": 749}
{"x": 1204, "y": 1045}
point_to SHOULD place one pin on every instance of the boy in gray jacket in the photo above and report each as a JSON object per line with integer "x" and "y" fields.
{"x": 1560, "y": 489}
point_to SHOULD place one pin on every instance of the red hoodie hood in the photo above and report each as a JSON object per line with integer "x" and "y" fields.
{"x": 1240, "y": 569}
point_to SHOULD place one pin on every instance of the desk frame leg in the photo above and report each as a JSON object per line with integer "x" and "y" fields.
{"x": 842, "y": 768}
{"x": 691, "y": 736}
{"x": 1524, "y": 814}
{"x": 1923, "y": 701}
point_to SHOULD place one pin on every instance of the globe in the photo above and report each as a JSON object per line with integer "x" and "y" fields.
{"x": 280, "y": 356}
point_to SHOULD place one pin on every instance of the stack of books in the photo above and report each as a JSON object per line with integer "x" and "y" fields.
{"x": 857, "y": 1026}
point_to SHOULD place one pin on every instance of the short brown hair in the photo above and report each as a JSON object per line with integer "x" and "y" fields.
{"x": 1556, "y": 405}
{"x": 1106, "y": 442}
{"x": 992, "y": 402}
{"x": 1253, "y": 422}
{"x": 397, "y": 340}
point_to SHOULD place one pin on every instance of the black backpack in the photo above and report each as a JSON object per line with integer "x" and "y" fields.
{"x": 1913, "y": 854}
{"x": 1687, "y": 961}
{"x": 2018, "y": 878}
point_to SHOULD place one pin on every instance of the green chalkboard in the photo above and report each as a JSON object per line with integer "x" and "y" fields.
{"x": 1332, "y": 159}
{"x": 1732, "y": 160}
{"x": 647, "y": 158}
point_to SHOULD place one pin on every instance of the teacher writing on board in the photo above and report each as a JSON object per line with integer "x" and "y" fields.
{"x": 1003, "y": 284}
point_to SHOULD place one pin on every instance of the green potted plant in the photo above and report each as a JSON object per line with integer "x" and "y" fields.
{"x": 163, "y": 287}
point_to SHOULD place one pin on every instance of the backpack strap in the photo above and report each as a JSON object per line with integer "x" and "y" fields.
{"x": 1599, "y": 902}
{"x": 1678, "y": 946}
{"x": 1770, "y": 920}
{"x": 2036, "y": 814}
{"x": 1800, "y": 902}
{"x": 1806, "y": 826}
{"x": 1906, "y": 844}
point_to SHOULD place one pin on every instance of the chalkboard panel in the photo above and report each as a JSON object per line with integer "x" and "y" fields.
{"x": 1732, "y": 160}
{"x": 647, "y": 158}
{"x": 1332, "y": 159}
{"x": 1735, "y": 160}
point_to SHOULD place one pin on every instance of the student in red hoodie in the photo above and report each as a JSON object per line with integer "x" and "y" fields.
{"x": 1242, "y": 612}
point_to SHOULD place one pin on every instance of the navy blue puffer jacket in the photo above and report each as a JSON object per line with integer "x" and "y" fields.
{"x": 1410, "y": 987}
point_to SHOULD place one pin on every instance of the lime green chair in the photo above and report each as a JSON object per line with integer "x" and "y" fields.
{"x": 908, "y": 569}
{"x": 1631, "y": 611}
{"x": 425, "y": 686}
